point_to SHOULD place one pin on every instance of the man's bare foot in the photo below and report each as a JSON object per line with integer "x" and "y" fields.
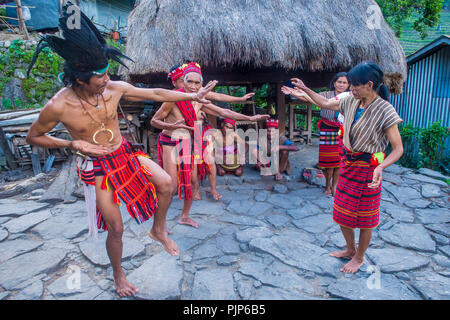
{"x": 189, "y": 222}
{"x": 123, "y": 287}
{"x": 215, "y": 194}
{"x": 353, "y": 265}
{"x": 327, "y": 191}
{"x": 197, "y": 195}
{"x": 278, "y": 176}
{"x": 170, "y": 246}
{"x": 347, "y": 254}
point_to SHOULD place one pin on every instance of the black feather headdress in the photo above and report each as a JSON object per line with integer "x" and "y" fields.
{"x": 83, "y": 47}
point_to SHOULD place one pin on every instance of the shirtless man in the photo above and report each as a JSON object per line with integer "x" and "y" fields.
{"x": 170, "y": 118}
{"x": 175, "y": 75}
{"x": 87, "y": 106}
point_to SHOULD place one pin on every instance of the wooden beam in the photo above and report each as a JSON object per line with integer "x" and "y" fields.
{"x": 7, "y": 151}
{"x": 281, "y": 108}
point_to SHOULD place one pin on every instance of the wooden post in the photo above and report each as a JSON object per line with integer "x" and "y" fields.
{"x": 309, "y": 119}
{"x": 22, "y": 26}
{"x": 7, "y": 151}
{"x": 281, "y": 109}
{"x": 36, "y": 162}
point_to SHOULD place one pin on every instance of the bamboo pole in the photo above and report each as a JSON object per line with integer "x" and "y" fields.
{"x": 22, "y": 26}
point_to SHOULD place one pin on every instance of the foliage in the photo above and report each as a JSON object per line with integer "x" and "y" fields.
{"x": 425, "y": 13}
{"x": 424, "y": 147}
{"x": 432, "y": 142}
{"x": 43, "y": 77}
{"x": 410, "y": 139}
{"x": 114, "y": 65}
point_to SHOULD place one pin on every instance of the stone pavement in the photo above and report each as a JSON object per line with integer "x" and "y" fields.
{"x": 263, "y": 240}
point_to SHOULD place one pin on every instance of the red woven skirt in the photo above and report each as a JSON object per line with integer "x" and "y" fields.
{"x": 128, "y": 180}
{"x": 329, "y": 144}
{"x": 355, "y": 204}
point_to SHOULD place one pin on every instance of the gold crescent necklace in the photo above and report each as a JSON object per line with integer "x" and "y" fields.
{"x": 102, "y": 124}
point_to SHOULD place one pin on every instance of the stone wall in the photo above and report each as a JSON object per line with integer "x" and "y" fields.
{"x": 16, "y": 90}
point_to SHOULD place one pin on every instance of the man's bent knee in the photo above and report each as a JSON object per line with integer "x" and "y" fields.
{"x": 115, "y": 229}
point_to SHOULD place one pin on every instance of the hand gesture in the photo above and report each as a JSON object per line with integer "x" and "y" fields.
{"x": 247, "y": 96}
{"x": 179, "y": 124}
{"x": 297, "y": 93}
{"x": 377, "y": 177}
{"x": 298, "y": 83}
{"x": 90, "y": 149}
{"x": 204, "y": 91}
{"x": 259, "y": 117}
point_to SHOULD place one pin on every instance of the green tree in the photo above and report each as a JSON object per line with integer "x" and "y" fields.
{"x": 425, "y": 14}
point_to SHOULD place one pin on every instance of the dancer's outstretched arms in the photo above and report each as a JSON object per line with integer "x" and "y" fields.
{"x": 227, "y": 98}
{"x": 316, "y": 98}
{"x": 132, "y": 93}
{"x": 227, "y": 113}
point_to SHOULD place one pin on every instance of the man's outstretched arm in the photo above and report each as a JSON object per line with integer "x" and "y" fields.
{"x": 132, "y": 93}
{"x": 227, "y": 113}
{"x": 215, "y": 96}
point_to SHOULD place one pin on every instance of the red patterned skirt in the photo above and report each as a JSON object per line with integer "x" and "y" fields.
{"x": 355, "y": 204}
{"x": 329, "y": 144}
{"x": 129, "y": 180}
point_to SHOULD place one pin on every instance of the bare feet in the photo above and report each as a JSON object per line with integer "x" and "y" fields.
{"x": 197, "y": 195}
{"x": 188, "y": 221}
{"x": 327, "y": 191}
{"x": 347, "y": 254}
{"x": 123, "y": 287}
{"x": 278, "y": 176}
{"x": 353, "y": 265}
{"x": 170, "y": 246}
{"x": 215, "y": 194}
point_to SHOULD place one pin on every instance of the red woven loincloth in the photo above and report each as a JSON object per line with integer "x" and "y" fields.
{"x": 184, "y": 162}
{"x": 123, "y": 172}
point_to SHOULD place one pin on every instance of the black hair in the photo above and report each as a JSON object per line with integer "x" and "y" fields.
{"x": 70, "y": 76}
{"x": 369, "y": 71}
{"x": 336, "y": 77}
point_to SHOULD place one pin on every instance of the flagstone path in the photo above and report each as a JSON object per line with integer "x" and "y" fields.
{"x": 263, "y": 240}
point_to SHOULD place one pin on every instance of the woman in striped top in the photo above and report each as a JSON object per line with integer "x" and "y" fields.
{"x": 370, "y": 123}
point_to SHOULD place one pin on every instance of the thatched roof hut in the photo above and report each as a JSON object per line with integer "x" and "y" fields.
{"x": 258, "y": 41}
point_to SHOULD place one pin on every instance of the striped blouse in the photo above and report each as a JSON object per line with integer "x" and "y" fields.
{"x": 325, "y": 113}
{"x": 367, "y": 134}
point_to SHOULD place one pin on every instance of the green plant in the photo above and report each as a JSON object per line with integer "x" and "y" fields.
{"x": 425, "y": 14}
{"x": 114, "y": 66}
{"x": 432, "y": 142}
{"x": 410, "y": 138}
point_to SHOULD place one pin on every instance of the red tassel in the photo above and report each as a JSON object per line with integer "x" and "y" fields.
{"x": 104, "y": 185}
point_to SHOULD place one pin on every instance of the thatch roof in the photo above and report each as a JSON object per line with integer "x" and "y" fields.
{"x": 266, "y": 36}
